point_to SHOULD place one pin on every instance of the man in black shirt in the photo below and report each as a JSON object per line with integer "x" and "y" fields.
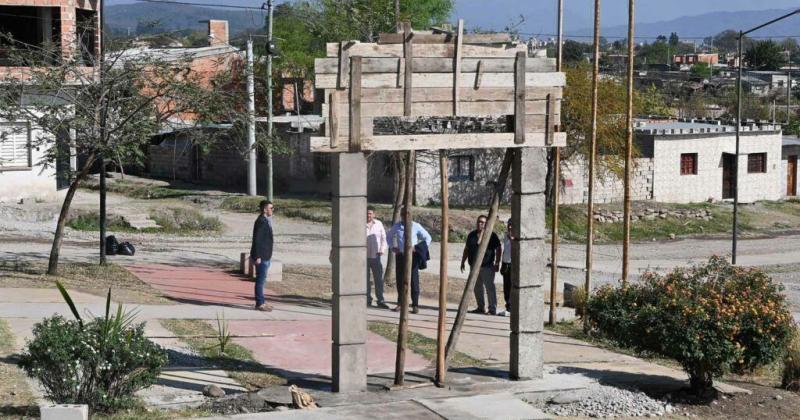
{"x": 487, "y": 267}
{"x": 261, "y": 252}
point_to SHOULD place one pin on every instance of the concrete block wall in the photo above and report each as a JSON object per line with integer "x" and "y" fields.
{"x": 608, "y": 186}
{"x": 462, "y": 192}
{"x": 671, "y": 186}
{"x": 789, "y": 151}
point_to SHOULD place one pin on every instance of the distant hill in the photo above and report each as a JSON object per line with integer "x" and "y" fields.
{"x": 709, "y": 24}
{"x": 146, "y": 18}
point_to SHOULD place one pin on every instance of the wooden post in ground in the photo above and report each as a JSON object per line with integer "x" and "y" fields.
{"x": 499, "y": 187}
{"x": 441, "y": 369}
{"x": 556, "y": 184}
{"x": 626, "y": 236}
{"x": 408, "y": 250}
{"x": 592, "y": 150}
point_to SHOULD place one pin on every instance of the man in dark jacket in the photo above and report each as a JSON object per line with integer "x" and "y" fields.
{"x": 487, "y": 267}
{"x": 261, "y": 252}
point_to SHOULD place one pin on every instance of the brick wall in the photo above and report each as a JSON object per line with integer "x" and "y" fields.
{"x": 608, "y": 186}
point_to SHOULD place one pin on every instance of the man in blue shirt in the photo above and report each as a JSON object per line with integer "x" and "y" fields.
{"x": 396, "y": 239}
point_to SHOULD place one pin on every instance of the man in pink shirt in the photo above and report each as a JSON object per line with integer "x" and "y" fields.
{"x": 376, "y": 247}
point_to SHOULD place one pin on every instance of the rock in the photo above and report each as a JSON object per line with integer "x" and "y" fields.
{"x": 281, "y": 408}
{"x": 213, "y": 391}
{"x": 565, "y": 398}
{"x": 672, "y": 236}
{"x": 650, "y": 217}
{"x": 778, "y": 397}
{"x": 663, "y": 215}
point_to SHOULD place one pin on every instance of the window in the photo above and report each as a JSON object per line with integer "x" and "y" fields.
{"x": 39, "y": 27}
{"x": 462, "y": 168}
{"x": 14, "y": 150}
{"x": 689, "y": 164}
{"x": 756, "y": 163}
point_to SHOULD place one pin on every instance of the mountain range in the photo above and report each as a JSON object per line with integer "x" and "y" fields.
{"x": 689, "y": 18}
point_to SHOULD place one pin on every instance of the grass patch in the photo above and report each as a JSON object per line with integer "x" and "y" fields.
{"x": 424, "y": 346}
{"x": 84, "y": 277}
{"x": 17, "y": 399}
{"x": 173, "y": 220}
{"x": 237, "y": 361}
{"x": 147, "y": 191}
{"x": 572, "y": 223}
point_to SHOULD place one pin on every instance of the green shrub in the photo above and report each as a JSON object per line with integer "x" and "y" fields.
{"x": 101, "y": 363}
{"x": 180, "y": 219}
{"x": 91, "y": 221}
{"x": 711, "y": 318}
{"x": 790, "y": 379}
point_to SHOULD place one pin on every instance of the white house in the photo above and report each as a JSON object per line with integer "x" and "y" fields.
{"x": 689, "y": 161}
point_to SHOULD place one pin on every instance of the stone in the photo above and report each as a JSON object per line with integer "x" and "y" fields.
{"x": 349, "y": 367}
{"x": 569, "y": 298}
{"x": 349, "y": 271}
{"x": 526, "y": 361}
{"x": 349, "y": 175}
{"x": 565, "y": 398}
{"x": 213, "y": 391}
{"x": 778, "y": 397}
{"x": 672, "y": 236}
{"x": 64, "y": 412}
{"x": 350, "y": 319}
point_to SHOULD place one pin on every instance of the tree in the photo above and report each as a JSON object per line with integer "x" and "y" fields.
{"x": 727, "y": 41}
{"x": 701, "y": 70}
{"x": 574, "y": 51}
{"x": 674, "y": 41}
{"x": 765, "y": 55}
{"x": 108, "y": 109}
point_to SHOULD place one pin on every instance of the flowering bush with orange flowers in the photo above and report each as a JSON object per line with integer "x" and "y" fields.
{"x": 711, "y": 318}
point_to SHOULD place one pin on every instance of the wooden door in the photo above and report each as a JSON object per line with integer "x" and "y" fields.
{"x": 728, "y": 185}
{"x": 791, "y": 176}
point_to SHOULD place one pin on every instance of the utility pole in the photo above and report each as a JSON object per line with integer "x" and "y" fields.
{"x": 269, "y": 99}
{"x": 789, "y": 90}
{"x": 251, "y": 122}
{"x": 101, "y": 161}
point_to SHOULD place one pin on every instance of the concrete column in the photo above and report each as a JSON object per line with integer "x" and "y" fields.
{"x": 349, "y": 349}
{"x": 529, "y": 263}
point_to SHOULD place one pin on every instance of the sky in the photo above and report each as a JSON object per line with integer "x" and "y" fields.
{"x": 539, "y": 15}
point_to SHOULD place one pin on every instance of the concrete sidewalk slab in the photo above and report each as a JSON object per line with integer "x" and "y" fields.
{"x": 49, "y": 295}
{"x": 494, "y": 406}
{"x": 305, "y": 347}
{"x": 402, "y": 410}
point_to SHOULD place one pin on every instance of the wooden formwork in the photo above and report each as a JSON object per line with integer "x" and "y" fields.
{"x": 416, "y": 74}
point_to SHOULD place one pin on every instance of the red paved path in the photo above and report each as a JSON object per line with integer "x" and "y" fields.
{"x": 302, "y": 346}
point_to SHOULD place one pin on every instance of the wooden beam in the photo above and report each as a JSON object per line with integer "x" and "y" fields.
{"x": 427, "y": 38}
{"x": 437, "y": 80}
{"x": 444, "y": 179}
{"x": 355, "y": 104}
{"x": 468, "y": 94}
{"x": 343, "y": 66}
{"x": 408, "y": 51}
{"x": 552, "y": 120}
{"x": 457, "y": 65}
{"x": 408, "y": 250}
{"x": 439, "y": 65}
{"x": 519, "y": 99}
{"x": 441, "y": 141}
{"x": 427, "y": 50}
{"x": 478, "y": 75}
{"x": 333, "y": 118}
{"x": 445, "y": 109}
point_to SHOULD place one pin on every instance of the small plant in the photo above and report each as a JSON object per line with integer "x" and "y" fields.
{"x": 712, "y": 318}
{"x": 223, "y": 333}
{"x": 101, "y": 363}
{"x": 579, "y": 299}
{"x": 790, "y": 379}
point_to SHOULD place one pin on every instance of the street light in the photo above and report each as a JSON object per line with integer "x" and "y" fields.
{"x": 739, "y": 127}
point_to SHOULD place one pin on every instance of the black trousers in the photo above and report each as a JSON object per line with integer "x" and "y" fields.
{"x": 505, "y": 270}
{"x": 400, "y": 266}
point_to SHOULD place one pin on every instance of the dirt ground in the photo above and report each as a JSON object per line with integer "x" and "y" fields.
{"x": 765, "y": 403}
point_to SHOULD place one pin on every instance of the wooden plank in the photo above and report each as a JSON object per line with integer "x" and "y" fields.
{"x": 343, "y": 66}
{"x": 534, "y": 124}
{"x": 519, "y": 99}
{"x": 388, "y": 95}
{"x": 478, "y": 75}
{"x": 355, "y": 104}
{"x": 551, "y": 120}
{"x": 333, "y": 118}
{"x": 427, "y": 50}
{"x": 439, "y": 65}
{"x": 428, "y": 38}
{"x": 457, "y": 65}
{"x": 434, "y": 80}
{"x": 441, "y": 141}
{"x": 408, "y": 52}
{"x": 444, "y": 109}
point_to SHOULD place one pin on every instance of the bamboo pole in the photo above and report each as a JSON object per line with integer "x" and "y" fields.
{"x": 441, "y": 370}
{"x": 592, "y": 150}
{"x": 408, "y": 250}
{"x": 626, "y": 241}
{"x": 499, "y": 187}
{"x": 556, "y": 185}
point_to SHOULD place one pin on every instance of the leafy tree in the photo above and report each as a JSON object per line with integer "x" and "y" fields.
{"x": 674, "y": 40}
{"x": 655, "y": 53}
{"x": 765, "y": 55}
{"x": 650, "y": 101}
{"x": 727, "y": 41}
{"x": 108, "y": 109}
{"x": 574, "y": 51}
{"x": 701, "y": 70}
